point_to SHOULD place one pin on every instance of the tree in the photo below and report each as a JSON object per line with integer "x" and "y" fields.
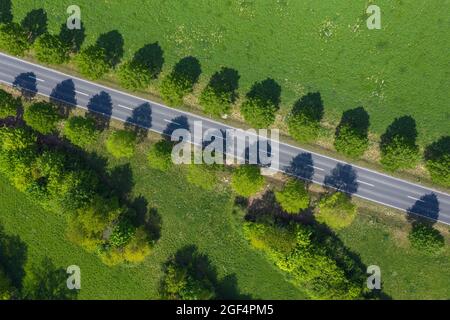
{"x": 121, "y": 143}
{"x": 425, "y": 238}
{"x": 336, "y": 210}
{"x": 294, "y": 197}
{"x": 134, "y": 76}
{"x": 201, "y": 175}
{"x": 247, "y": 180}
{"x": 160, "y": 155}
{"x": 92, "y": 62}
{"x": 351, "y": 138}
{"x": 12, "y": 139}
{"x": 44, "y": 281}
{"x": 42, "y": 117}
{"x": 81, "y": 131}
{"x": 258, "y": 113}
{"x": 50, "y": 49}
{"x": 304, "y": 120}
{"x": 437, "y": 157}
{"x": 13, "y": 39}
{"x": 8, "y": 105}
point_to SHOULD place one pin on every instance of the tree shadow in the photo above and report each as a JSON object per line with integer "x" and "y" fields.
{"x": 26, "y": 83}
{"x": 149, "y": 218}
{"x": 403, "y": 127}
{"x": 358, "y": 119}
{"x": 152, "y": 57}
{"x": 310, "y": 105}
{"x": 188, "y": 68}
{"x": 228, "y": 288}
{"x": 141, "y": 120}
{"x": 226, "y": 80}
{"x": 180, "y": 122}
{"x": 112, "y": 42}
{"x": 121, "y": 181}
{"x": 427, "y": 207}
{"x": 63, "y": 95}
{"x": 6, "y": 15}
{"x": 35, "y": 23}
{"x": 100, "y": 108}
{"x": 438, "y": 149}
{"x": 72, "y": 39}
{"x": 267, "y": 90}
{"x": 343, "y": 178}
{"x": 13, "y": 256}
{"x": 301, "y": 166}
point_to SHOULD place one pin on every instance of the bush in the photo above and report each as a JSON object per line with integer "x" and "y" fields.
{"x": 336, "y": 210}
{"x": 50, "y": 49}
{"x": 247, "y": 180}
{"x": 437, "y": 157}
{"x": 121, "y": 144}
{"x": 121, "y": 234}
{"x": 352, "y": 133}
{"x": 81, "y": 131}
{"x": 8, "y": 105}
{"x": 42, "y": 117}
{"x": 294, "y": 197}
{"x": 258, "y": 113}
{"x": 92, "y": 62}
{"x": 160, "y": 155}
{"x": 201, "y": 175}
{"x": 134, "y": 76}
{"x": 304, "y": 120}
{"x": 13, "y": 139}
{"x": 13, "y": 39}
{"x": 425, "y": 238}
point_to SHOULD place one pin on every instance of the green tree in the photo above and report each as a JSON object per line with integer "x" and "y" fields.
{"x": 121, "y": 234}
{"x": 134, "y": 76}
{"x": 336, "y": 210}
{"x": 351, "y": 137}
{"x": 437, "y": 157}
{"x": 12, "y": 139}
{"x": 121, "y": 143}
{"x": 160, "y": 155}
{"x": 425, "y": 238}
{"x": 42, "y": 117}
{"x": 92, "y": 62}
{"x": 13, "y": 39}
{"x": 49, "y": 49}
{"x": 8, "y": 105}
{"x": 81, "y": 131}
{"x": 44, "y": 281}
{"x": 304, "y": 120}
{"x": 258, "y": 113}
{"x": 294, "y": 197}
{"x": 247, "y": 180}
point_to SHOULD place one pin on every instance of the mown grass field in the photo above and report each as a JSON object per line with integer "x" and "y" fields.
{"x": 402, "y": 69}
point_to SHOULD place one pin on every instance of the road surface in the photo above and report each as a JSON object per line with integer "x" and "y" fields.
{"x": 364, "y": 183}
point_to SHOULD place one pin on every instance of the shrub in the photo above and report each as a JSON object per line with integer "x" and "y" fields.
{"x": 336, "y": 210}
{"x": 304, "y": 120}
{"x": 425, "y": 238}
{"x": 42, "y": 117}
{"x": 160, "y": 155}
{"x": 81, "y": 131}
{"x": 92, "y": 62}
{"x": 258, "y": 113}
{"x": 121, "y": 143}
{"x": 121, "y": 234}
{"x": 13, "y": 39}
{"x": 437, "y": 157}
{"x": 247, "y": 180}
{"x": 12, "y": 139}
{"x": 50, "y": 49}
{"x": 134, "y": 76}
{"x": 294, "y": 197}
{"x": 8, "y": 105}
{"x": 351, "y": 136}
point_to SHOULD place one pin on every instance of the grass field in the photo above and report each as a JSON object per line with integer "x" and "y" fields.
{"x": 402, "y": 69}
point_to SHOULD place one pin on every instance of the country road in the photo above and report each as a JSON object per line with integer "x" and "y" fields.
{"x": 355, "y": 180}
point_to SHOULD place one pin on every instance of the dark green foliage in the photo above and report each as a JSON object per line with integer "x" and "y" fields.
{"x": 121, "y": 234}
{"x": 92, "y": 62}
{"x": 180, "y": 81}
{"x": 160, "y": 155}
{"x": 425, "y": 238}
{"x": 13, "y": 39}
{"x": 352, "y": 133}
{"x": 35, "y": 24}
{"x": 81, "y": 131}
{"x": 5, "y": 12}
{"x": 437, "y": 157}
{"x": 304, "y": 119}
{"x": 398, "y": 145}
{"x": 294, "y": 197}
{"x": 261, "y": 104}
{"x": 49, "y": 49}
{"x": 220, "y": 93}
{"x": 42, "y": 117}
{"x": 247, "y": 180}
{"x": 8, "y": 105}
{"x": 72, "y": 39}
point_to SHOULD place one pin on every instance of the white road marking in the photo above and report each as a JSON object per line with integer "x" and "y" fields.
{"x": 363, "y": 182}
{"x": 320, "y": 169}
{"x": 36, "y": 78}
{"x": 125, "y": 107}
{"x": 170, "y": 121}
{"x": 82, "y": 93}
{"x": 415, "y": 199}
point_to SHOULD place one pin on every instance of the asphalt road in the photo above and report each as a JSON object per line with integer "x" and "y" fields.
{"x": 355, "y": 180}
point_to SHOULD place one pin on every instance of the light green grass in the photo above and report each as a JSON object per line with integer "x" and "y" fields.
{"x": 402, "y": 69}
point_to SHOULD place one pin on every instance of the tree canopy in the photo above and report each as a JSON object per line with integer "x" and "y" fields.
{"x": 80, "y": 131}
{"x": 247, "y": 180}
{"x": 13, "y": 39}
{"x": 121, "y": 143}
{"x": 42, "y": 117}
{"x": 336, "y": 210}
{"x": 425, "y": 238}
{"x": 437, "y": 161}
{"x": 49, "y": 49}
{"x": 351, "y": 138}
{"x": 160, "y": 155}
{"x": 92, "y": 62}
{"x": 8, "y": 105}
{"x": 294, "y": 197}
